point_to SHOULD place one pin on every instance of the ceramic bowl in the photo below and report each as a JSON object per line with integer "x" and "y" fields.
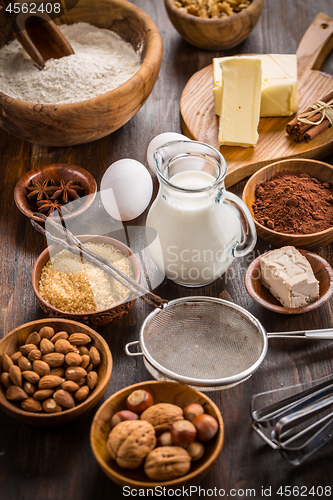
{"x": 56, "y": 172}
{"x": 162, "y": 392}
{"x": 317, "y": 169}
{"x": 17, "y": 337}
{"x": 85, "y": 121}
{"x": 95, "y": 319}
{"x": 260, "y": 294}
{"x": 215, "y": 34}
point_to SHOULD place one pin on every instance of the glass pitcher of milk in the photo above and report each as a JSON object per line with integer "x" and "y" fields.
{"x": 195, "y": 228}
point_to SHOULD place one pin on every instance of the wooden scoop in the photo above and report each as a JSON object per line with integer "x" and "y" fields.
{"x": 39, "y": 36}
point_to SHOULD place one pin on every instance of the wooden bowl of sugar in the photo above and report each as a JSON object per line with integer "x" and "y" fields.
{"x": 319, "y": 170}
{"x": 66, "y": 124}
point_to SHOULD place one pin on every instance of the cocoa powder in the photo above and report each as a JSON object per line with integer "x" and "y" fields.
{"x": 294, "y": 204}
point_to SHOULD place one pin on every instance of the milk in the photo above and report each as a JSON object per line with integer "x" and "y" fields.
{"x": 195, "y": 230}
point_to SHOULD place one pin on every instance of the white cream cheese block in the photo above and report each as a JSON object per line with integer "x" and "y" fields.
{"x": 289, "y": 277}
{"x": 279, "y": 90}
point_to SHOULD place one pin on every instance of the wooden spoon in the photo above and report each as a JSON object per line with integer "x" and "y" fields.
{"x": 39, "y": 36}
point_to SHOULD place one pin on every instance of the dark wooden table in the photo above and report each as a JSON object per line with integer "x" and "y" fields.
{"x": 57, "y": 463}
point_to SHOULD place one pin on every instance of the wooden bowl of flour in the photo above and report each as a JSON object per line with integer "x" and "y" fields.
{"x": 94, "y": 118}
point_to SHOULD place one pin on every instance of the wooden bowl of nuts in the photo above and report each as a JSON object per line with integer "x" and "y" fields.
{"x": 291, "y": 202}
{"x": 88, "y": 295}
{"x": 58, "y": 185}
{"x": 60, "y": 122}
{"x": 182, "y": 435}
{"x": 214, "y": 25}
{"x": 52, "y": 371}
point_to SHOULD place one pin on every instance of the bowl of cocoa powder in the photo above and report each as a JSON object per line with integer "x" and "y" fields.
{"x": 291, "y": 202}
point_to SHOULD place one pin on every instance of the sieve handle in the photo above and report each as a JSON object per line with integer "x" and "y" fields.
{"x": 127, "y": 349}
{"x": 326, "y": 333}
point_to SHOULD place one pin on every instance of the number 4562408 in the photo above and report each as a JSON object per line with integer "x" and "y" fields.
{"x": 33, "y": 8}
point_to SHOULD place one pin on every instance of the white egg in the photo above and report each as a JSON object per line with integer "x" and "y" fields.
{"x": 126, "y": 189}
{"x": 158, "y": 141}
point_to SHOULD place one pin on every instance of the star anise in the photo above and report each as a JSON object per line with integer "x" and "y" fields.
{"x": 67, "y": 191}
{"x": 47, "y": 207}
{"x": 40, "y": 191}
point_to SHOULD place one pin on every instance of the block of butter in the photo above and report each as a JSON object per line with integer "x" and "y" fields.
{"x": 289, "y": 277}
{"x": 241, "y": 93}
{"x": 279, "y": 91}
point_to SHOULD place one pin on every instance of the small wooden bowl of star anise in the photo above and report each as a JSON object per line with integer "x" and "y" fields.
{"x": 60, "y": 188}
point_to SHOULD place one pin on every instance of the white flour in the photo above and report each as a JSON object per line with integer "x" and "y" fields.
{"x": 102, "y": 61}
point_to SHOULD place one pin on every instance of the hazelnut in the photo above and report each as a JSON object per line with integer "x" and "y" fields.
{"x": 123, "y": 415}
{"x": 183, "y": 433}
{"x": 196, "y": 450}
{"x": 138, "y": 401}
{"x": 206, "y": 425}
{"x": 164, "y": 439}
{"x": 193, "y": 410}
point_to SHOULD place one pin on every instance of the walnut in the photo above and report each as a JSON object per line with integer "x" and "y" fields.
{"x": 130, "y": 441}
{"x": 162, "y": 416}
{"x": 167, "y": 462}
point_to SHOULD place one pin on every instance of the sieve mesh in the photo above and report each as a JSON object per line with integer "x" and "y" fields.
{"x": 203, "y": 340}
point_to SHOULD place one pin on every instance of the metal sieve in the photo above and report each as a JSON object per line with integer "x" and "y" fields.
{"x": 205, "y": 342}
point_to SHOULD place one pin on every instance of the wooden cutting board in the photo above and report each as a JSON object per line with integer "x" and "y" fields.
{"x": 200, "y": 123}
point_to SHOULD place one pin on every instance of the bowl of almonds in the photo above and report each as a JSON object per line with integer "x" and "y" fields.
{"x": 52, "y": 371}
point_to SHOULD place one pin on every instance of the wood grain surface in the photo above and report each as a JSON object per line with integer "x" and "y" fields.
{"x": 57, "y": 463}
{"x": 199, "y": 121}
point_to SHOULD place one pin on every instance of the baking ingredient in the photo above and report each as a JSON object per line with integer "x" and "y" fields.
{"x": 196, "y": 450}
{"x": 212, "y": 9}
{"x": 294, "y": 204}
{"x": 126, "y": 189}
{"x": 101, "y": 62}
{"x": 158, "y": 141}
{"x": 76, "y": 286}
{"x": 162, "y": 416}
{"x": 206, "y": 426}
{"x": 164, "y": 439}
{"x": 123, "y": 415}
{"x": 183, "y": 433}
{"x": 130, "y": 441}
{"x": 241, "y": 95}
{"x": 167, "y": 462}
{"x": 288, "y": 275}
{"x": 57, "y": 390}
{"x": 139, "y": 400}
{"x": 279, "y": 84}
{"x": 192, "y": 410}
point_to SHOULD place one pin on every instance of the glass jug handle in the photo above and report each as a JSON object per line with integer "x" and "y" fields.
{"x": 248, "y": 227}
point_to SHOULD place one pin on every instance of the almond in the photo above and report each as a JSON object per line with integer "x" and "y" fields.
{"x": 24, "y": 363}
{"x": 73, "y": 359}
{"x": 83, "y": 350}
{"x": 54, "y": 359}
{"x": 79, "y": 339}
{"x": 46, "y": 332}
{"x": 75, "y": 373}
{"x": 58, "y": 336}
{"x": 7, "y": 362}
{"x": 64, "y": 399}
{"x": 15, "y": 375}
{"x": 31, "y": 404}
{"x": 34, "y": 338}
{"x": 74, "y": 348}
{"x": 89, "y": 368}
{"x": 70, "y": 386}
{"x": 31, "y": 376}
{"x": 85, "y": 361}
{"x": 49, "y": 382}
{"x": 82, "y": 382}
{"x": 6, "y": 380}
{"x": 15, "y": 393}
{"x": 41, "y": 367}
{"x": 46, "y": 346}
{"x": 92, "y": 379}
{"x": 95, "y": 357}
{"x": 26, "y": 348}
{"x": 82, "y": 393}
{"x": 63, "y": 346}
{"x": 59, "y": 372}
{"x": 43, "y": 394}
{"x": 51, "y": 406}
{"x": 29, "y": 388}
{"x": 34, "y": 355}
{"x": 14, "y": 357}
